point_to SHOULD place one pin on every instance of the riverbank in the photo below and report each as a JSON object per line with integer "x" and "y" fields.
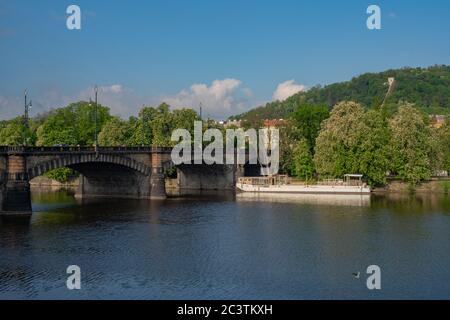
{"x": 434, "y": 186}
{"x": 43, "y": 181}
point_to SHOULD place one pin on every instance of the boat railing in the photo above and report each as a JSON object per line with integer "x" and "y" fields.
{"x": 330, "y": 182}
{"x": 265, "y": 181}
{"x": 284, "y": 180}
{"x": 340, "y": 182}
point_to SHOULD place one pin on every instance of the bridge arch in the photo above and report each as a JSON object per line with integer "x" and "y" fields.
{"x": 73, "y": 160}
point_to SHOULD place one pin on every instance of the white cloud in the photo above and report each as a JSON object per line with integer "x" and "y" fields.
{"x": 287, "y": 89}
{"x": 121, "y": 101}
{"x": 116, "y": 88}
{"x": 10, "y": 107}
{"x": 221, "y": 99}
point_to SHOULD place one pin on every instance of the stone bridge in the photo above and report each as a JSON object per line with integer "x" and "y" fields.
{"x": 136, "y": 172}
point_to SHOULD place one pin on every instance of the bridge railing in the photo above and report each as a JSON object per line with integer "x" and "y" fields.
{"x": 87, "y": 149}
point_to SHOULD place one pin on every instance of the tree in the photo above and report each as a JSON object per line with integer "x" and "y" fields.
{"x": 115, "y": 132}
{"x": 336, "y": 151}
{"x": 303, "y": 161}
{"x": 184, "y": 119}
{"x": 438, "y": 148}
{"x": 161, "y": 126}
{"x": 61, "y": 174}
{"x": 308, "y": 119}
{"x": 161, "y": 122}
{"x": 410, "y": 145}
{"x": 289, "y": 136}
{"x": 72, "y": 125}
{"x": 85, "y": 125}
{"x": 13, "y": 132}
{"x": 141, "y": 127}
{"x": 445, "y": 145}
{"x": 373, "y": 152}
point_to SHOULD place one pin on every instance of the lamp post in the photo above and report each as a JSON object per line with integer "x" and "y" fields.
{"x": 143, "y": 126}
{"x": 27, "y": 109}
{"x": 26, "y": 116}
{"x": 95, "y": 112}
{"x": 90, "y": 114}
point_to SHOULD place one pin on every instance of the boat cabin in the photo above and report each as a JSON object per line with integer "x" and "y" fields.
{"x": 353, "y": 179}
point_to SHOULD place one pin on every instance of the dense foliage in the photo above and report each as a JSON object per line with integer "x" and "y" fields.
{"x": 427, "y": 88}
{"x": 356, "y": 140}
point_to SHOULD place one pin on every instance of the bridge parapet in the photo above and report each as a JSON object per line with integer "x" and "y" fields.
{"x": 5, "y": 150}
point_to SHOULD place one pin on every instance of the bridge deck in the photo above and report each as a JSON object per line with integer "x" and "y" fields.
{"x": 4, "y": 150}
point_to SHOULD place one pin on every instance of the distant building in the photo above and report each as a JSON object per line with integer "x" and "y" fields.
{"x": 232, "y": 123}
{"x": 274, "y": 123}
{"x": 437, "y": 121}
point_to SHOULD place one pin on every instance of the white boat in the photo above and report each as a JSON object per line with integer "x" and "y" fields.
{"x": 281, "y": 184}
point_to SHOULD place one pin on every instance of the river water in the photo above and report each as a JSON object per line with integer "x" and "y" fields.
{"x": 222, "y": 246}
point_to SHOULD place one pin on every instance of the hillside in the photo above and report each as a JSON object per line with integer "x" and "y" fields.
{"x": 428, "y": 88}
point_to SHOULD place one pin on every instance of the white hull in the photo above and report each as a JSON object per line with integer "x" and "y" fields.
{"x": 326, "y": 199}
{"x": 313, "y": 189}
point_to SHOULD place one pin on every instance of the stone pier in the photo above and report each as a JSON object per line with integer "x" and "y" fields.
{"x": 16, "y": 193}
{"x": 157, "y": 180}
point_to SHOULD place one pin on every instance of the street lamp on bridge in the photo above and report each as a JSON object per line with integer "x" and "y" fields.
{"x": 28, "y": 106}
{"x": 26, "y": 117}
{"x": 95, "y": 116}
{"x": 144, "y": 120}
{"x": 96, "y": 110}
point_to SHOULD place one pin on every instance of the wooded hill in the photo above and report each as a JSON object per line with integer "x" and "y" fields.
{"x": 427, "y": 88}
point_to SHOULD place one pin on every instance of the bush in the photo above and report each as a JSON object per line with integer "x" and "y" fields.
{"x": 61, "y": 175}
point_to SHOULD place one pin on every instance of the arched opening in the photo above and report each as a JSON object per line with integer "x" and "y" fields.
{"x": 102, "y": 175}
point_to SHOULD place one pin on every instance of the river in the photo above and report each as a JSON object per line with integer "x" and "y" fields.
{"x": 223, "y": 246}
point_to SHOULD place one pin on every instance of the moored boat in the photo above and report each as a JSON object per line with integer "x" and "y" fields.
{"x": 352, "y": 184}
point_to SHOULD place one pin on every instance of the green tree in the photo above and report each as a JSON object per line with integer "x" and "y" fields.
{"x": 85, "y": 121}
{"x": 373, "y": 152}
{"x": 13, "y": 132}
{"x": 439, "y": 147}
{"x": 116, "y": 132}
{"x": 289, "y": 136}
{"x": 184, "y": 119}
{"x": 336, "y": 151}
{"x": 161, "y": 126}
{"x": 141, "y": 127}
{"x": 445, "y": 145}
{"x": 61, "y": 175}
{"x": 72, "y": 125}
{"x": 410, "y": 145}
{"x": 303, "y": 161}
{"x": 308, "y": 119}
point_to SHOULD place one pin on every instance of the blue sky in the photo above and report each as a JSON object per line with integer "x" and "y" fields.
{"x": 231, "y": 55}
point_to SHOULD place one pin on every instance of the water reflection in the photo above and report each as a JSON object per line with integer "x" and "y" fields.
{"x": 412, "y": 203}
{"x": 350, "y": 200}
{"x": 225, "y": 246}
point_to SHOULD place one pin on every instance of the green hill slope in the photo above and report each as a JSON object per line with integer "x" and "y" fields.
{"x": 427, "y": 88}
